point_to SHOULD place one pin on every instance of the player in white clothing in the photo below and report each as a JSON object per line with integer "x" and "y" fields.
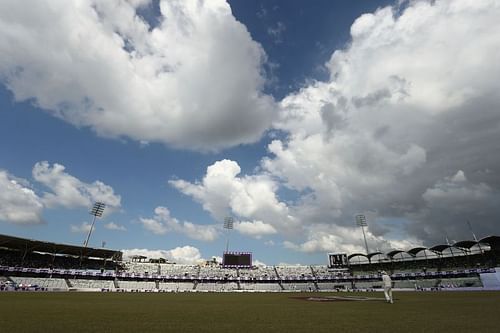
{"x": 387, "y": 282}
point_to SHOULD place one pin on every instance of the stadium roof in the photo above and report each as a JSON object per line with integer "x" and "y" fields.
{"x": 492, "y": 241}
{"x": 440, "y": 248}
{"x": 416, "y": 250}
{"x": 370, "y": 255}
{"x": 394, "y": 252}
{"x": 356, "y": 255}
{"x": 467, "y": 244}
{"x": 24, "y": 244}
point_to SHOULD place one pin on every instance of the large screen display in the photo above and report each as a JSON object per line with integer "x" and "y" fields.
{"x": 237, "y": 259}
{"x": 337, "y": 260}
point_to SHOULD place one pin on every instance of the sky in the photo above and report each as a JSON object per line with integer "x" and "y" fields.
{"x": 292, "y": 117}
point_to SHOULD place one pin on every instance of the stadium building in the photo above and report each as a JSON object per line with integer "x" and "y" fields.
{"x": 36, "y": 265}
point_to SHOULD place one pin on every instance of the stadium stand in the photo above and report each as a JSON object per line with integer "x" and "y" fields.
{"x": 176, "y": 286}
{"x": 179, "y": 271}
{"x": 219, "y": 273}
{"x": 294, "y": 272}
{"x": 20, "y": 252}
{"x": 257, "y": 286}
{"x": 91, "y": 284}
{"x": 36, "y": 265}
{"x": 217, "y": 286}
{"x": 137, "y": 285}
{"x": 46, "y": 283}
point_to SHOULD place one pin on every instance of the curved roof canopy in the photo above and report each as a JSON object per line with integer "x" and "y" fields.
{"x": 463, "y": 246}
{"x": 393, "y": 253}
{"x": 356, "y": 255}
{"x": 467, "y": 244}
{"x": 439, "y": 248}
{"x": 370, "y": 255}
{"x": 416, "y": 250}
{"x": 492, "y": 241}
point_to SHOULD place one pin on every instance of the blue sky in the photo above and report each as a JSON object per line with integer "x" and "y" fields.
{"x": 292, "y": 117}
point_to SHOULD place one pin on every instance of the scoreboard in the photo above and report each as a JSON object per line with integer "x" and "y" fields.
{"x": 237, "y": 259}
{"x": 337, "y": 260}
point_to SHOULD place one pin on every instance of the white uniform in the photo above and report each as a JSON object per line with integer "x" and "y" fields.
{"x": 386, "y": 279}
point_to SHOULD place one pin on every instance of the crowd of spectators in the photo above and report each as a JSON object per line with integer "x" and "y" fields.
{"x": 14, "y": 258}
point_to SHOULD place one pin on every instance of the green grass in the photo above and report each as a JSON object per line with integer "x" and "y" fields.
{"x": 247, "y": 312}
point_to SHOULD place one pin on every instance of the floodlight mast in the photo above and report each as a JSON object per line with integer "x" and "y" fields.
{"x": 228, "y": 225}
{"x": 96, "y": 211}
{"x": 474, "y": 236}
{"x": 361, "y": 222}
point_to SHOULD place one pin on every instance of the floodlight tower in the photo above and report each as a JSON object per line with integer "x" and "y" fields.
{"x": 96, "y": 211}
{"x": 228, "y": 225}
{"x": 472, "y": 232}
{"x": 361, "y": 222}
{"x": 474, "y": 236}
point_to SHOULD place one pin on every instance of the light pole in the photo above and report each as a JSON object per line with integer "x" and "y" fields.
{"x": 361, "y": 222}
{"x": 96, "y": 211}
{"x": 474, "y": 236}
{"x": 228, "y": 225}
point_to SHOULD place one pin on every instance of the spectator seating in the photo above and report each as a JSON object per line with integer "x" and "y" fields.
{"x": 176, "y": 286}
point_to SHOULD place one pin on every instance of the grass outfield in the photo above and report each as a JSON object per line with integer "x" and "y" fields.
{"x": 247, "y": 312}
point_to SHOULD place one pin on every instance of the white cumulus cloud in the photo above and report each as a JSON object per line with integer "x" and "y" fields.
{"x": 193, "y": 81}
{"x": 253, "y": 198}
{"x": 162, "y": 222}
{"x": 114, "y": 226}
{"x": 83, "y": 228}
{"x": 409, "y": 101}
{"x": 255, "y": 228}
{"x": 181, "y": 255}
{"x": 333, "y": 238}
{"x": 19, "y": 204}
{"x": 68, "y": 191}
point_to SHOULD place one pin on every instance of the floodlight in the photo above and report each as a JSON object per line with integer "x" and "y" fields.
{"x": 97, "y": 211}
{"x": 228, "y": 225}
{"x": 361, "y": 222}
{"x": 228, "y": 222}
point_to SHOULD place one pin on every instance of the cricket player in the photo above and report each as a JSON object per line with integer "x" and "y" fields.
{"x": 387, "y": 282}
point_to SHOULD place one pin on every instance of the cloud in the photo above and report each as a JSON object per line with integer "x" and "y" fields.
{"x": 261, "y": 12}
{"x": 453, "y": 201}
{"x": 253, "y": 198}
{"x": 333, "y": 238}
{"x": 180, "y": 255}
{"x": 456, "y": 189}
{"x": 405, "y": 127}
{"x": 269, "y": 242}
{"x": 83, "y": 228}
{"x": 162, "y": 223}
{"x": 139, "y": 3}
{"x": 255, "y": 229}
{"x": 276, "y": 32}
{"x": 114, "y": 226}
{"x": 19, "y": 204}
{"x": 258, "y": 263}
{"x": 70, "y": 192}
{"x": 194, "y": 80}
{"x": 155, "y": 226}
{"x": 410, "y": 101}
